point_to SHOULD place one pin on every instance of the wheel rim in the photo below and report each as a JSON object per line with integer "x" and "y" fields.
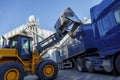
{"x": 79, "y": 67}
{"x": 12, "y": 74}
{"x": 88, "y": 64}
{"x": 48, "y": 70}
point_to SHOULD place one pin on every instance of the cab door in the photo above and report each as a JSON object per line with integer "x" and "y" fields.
{"x": 24, "y": 52}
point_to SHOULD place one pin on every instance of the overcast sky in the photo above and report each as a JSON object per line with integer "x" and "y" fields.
{"x": 14, "y": 13}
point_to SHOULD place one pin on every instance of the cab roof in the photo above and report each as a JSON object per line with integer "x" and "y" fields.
{"x": 21, "y": 35}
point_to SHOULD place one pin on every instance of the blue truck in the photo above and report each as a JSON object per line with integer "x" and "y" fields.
{"x": 94, "y": 46}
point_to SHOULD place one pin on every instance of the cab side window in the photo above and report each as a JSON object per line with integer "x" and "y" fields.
{"x": 14, "y": 44}
{"x": 25, "y": 46}
{"x": 117, "y": 15}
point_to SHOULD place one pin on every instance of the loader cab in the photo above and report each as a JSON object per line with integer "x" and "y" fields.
{"x": 22, "y": 44}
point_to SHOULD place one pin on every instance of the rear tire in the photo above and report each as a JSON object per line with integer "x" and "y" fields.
{"x": 79, "y": 66}
{"x": 47, "y": 70}
{"x": 117, "y": 64}
{"x": 89, "y": 65}
{"x": 13, "y": 69}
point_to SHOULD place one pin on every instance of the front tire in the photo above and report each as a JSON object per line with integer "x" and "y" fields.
{"x": 11, "y": 71}
{"x": 47, "y": 70}
{"x": 117, "y": 64}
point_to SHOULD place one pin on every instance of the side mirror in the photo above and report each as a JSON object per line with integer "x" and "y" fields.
{"x": 4, "y": 41}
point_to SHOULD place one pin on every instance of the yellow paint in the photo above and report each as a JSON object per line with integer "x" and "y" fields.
{"x": 11, "y": 55}
{"x": 12, "y": 74}
{"x": 48, "y": 70}
{"x": 36, "y": 59}
{"x": 8, "y": 52}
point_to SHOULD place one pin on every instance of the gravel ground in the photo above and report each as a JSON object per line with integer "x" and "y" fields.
{"x": 73, "y": 74}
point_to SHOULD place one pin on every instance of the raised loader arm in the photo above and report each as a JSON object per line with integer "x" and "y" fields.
{"x": 67, "y": 23}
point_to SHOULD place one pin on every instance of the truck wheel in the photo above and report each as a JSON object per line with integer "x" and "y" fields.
{"x": 11, "y": 71}
{"x": 89, "y": 65}
{"x": 47, "y": 70}
{"x": 62, "y": 66}
{"x": 117, "y": 64}
{"x": 79, "y": 65}
{"x": 59, "y": 66}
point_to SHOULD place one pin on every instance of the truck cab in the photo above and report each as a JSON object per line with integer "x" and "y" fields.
{"x": 104, "y": 30}
{"x": 106, "y": 25}
{"x": 23, "y": 46}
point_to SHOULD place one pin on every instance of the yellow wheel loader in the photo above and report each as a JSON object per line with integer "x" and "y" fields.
{"x": 17, "y": 59}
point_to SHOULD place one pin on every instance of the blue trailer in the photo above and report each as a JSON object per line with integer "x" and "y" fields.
{"x": 95, "y": 46}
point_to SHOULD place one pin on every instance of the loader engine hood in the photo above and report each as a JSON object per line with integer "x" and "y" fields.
{"x": 8, "y": 53}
